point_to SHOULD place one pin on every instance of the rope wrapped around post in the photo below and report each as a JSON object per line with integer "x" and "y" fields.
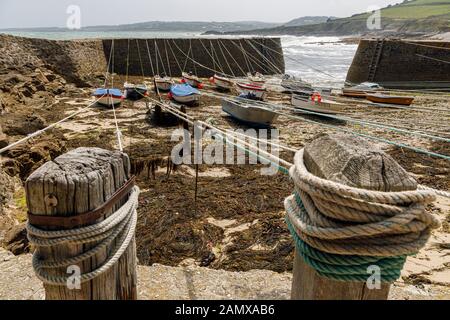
{"x": 119, "y": 227}
{"x": 340, "y": 230}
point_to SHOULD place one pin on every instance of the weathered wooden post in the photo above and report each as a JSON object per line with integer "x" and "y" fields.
{"x": 83, "y": 189}
{"x": 343, "y": 217}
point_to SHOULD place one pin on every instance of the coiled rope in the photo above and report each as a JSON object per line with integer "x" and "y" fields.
{"x": 119, "y": 227}
{"x": 340, "y": 231}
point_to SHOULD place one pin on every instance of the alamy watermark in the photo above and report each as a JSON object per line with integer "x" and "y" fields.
{"x": 374, "y": 19}
{"x": 374, "y": 280}
{"x": 74, "y": 279}
{"x": 74, "y": 20}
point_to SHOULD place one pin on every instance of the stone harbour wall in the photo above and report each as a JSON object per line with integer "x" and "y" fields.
{"x": 402, "y": 63}
{"x": 233, "y": 57}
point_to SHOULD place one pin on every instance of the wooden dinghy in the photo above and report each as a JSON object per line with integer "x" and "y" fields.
{"x": 317, "y": 105}
{"x": 251, "y": 114}
{"x": 163, "y": 83}
{"x": 361, "y": 90}
{"x": 259, "y": 91}
{"x": 135, "y": 92}
{"x": 387, "y": 99}
{"x": 108, "y": 97}
{"x": 222, "y": 83}
{"x": 192, "y": 80}
{"x": 184, "y": 93}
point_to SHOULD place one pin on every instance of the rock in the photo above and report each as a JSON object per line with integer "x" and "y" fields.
{"x": 24, "y": 125}
{"x": 2, "y": 106}
{"x": 16, "y": 239}
{"x": 3, "y": 139}
{"x": 355, "y": 162}
{"x": 6, "y": 188}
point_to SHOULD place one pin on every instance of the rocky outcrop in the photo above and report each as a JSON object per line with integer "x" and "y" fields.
{"x": 15, "y": 239}
{"x": 3, "y": 138}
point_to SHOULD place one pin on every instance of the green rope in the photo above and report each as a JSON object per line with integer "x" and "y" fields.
{"x": 345, "y": 267}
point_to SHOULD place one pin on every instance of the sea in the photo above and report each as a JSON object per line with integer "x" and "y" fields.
{"x": 321, "y": 61}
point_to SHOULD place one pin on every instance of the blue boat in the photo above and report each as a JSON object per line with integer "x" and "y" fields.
{"x": 108, "y": 97}
{"x": 184, "y": 93}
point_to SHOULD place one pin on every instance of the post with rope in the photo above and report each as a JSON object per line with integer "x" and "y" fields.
{"x": 355, "y": 216}
{"x": 81, "y": 221}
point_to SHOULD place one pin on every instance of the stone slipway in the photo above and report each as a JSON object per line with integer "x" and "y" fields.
{"x": 158, "y": 282}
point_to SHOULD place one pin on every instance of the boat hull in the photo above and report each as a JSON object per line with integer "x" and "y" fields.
{"x": 258, "y": 91}
{"x": 354, "y": 93}
{"x": 190, "y": 99}
{"x": 135, "y": 93}
{"x": 108, "y": 100}
{"x": 405, "y": 101}
{"x": 223, "y": 83}
{"x": 163, "y": 85}
{"x": 191, "y": 80}
{"x": 248, "y": 114}
{"x": 325, "y": 107}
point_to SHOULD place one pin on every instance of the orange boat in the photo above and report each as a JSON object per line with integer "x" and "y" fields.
{"x": 361, "y": 90}
{"x": 380, "y": 98}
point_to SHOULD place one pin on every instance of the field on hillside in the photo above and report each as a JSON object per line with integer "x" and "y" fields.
{"x": 418, "y": 9}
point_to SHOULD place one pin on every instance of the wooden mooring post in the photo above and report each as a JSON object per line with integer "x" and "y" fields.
{"x": 350, "y": 161}
{"x": 73, "y": 184}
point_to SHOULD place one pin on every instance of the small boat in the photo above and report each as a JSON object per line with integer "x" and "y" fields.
{"x": 295, "y": 85}
{"x": 361, "y": 90}
{"x": 163, "y": 83}
{"x": 317, "y": 105}
{"x": 222, "y": 83}
{"x": 192, "y": 80}
{"x": 184, "y": 93}
{"x": 259, "y": 91}
{"x": 108, "y": 97}
{"x": 256, "y": 78}
{"x": 387, "y": 99}
{"x": 135, "y": 92}
{"x": 245, "y": 112}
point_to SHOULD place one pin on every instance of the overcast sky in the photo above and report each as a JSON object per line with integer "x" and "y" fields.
{"x": 51, "y": 13}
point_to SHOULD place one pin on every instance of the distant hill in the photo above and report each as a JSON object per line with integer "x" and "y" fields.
{"x": 414, "y": 17}
{"x": 167, "y": 26}
{"x": 303, "y": 21}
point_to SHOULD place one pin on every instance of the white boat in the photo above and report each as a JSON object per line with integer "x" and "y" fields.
{"x": 191, "y": 80}
{"x": 259, "y": 91}
{"x": 257, "y": 78}
{"x": 108, "y": 97}
{"x": 222, "y": 83}
{"x": 184, "y": 93}
{"x": 163, "y": 83}
{"x": 244, "y": 111}
{"x": 317, "y": 105}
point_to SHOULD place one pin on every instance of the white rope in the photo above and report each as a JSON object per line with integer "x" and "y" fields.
{"x": 222, "y": 133}
{"x": 150, "y": 57}
{"x": 119, "y": 227}
{"x": 226, "y": 49}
